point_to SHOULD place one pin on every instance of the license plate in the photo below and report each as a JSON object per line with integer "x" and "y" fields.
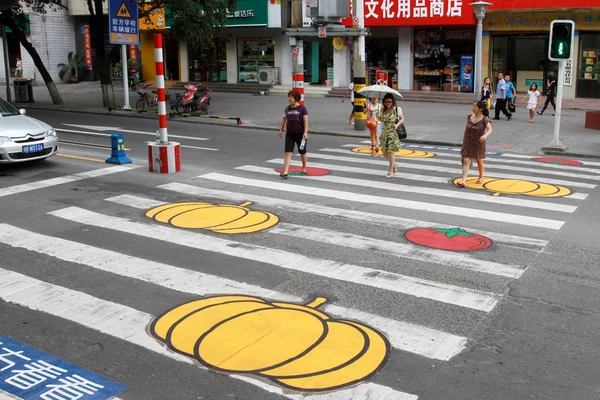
{"x": 33, "y": 148}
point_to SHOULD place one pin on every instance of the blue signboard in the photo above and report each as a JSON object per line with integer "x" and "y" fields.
{"x": 123, "y": 22}
{"x": 466, "y": 73}
{"x": 30, "y": 374}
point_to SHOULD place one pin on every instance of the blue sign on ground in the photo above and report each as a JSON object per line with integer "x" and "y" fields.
{"x": 123, "y": 22}
{"x": 30, "y": 374}
{"x": 438, "y": 148}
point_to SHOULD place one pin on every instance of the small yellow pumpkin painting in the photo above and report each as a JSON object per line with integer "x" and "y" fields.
{"x": 221, "y": 218}
{"x": 514, "y": 186}
{"x": 406, "y": 153}
{"x": 295, "y": 346}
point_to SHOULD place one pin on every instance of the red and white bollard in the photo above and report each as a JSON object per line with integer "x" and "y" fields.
{"x": 163, "y": 156}
{"x": 298, "y": 85}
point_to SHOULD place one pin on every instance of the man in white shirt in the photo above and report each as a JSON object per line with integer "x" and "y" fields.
{"x": 350, "y": 92}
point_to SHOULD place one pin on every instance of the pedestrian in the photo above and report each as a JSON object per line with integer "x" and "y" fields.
{"x": 19, "y": 69}
{"x": 295, "y": 119}
{"x": 532, "y": 97}
{"x": 373, "y": 123}
{"x": 392, "y": 117}
{"x": 350, "y": 91}
{"x": 501, "y": 98}
{"x": 478, "y": 128}
{"x": 511, "y": 95}
{"x": 551, "y": 93}
{"x": 486, "y": 93}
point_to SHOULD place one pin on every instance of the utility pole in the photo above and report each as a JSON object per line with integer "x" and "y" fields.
{"x": 359, "y": 66}
{"x": 297, "y": 51}
{"x": 6, "y": 63}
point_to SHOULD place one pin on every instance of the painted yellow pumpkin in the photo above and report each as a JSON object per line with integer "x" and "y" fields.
{"x": 513, "y": 186}
{"x": 222, "y": 218}
{"x": 293, "y": 345}
{"x": 406, "y": 153}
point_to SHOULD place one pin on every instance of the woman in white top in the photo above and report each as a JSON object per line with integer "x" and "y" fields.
{"x": 373, "y": 112}
{"x": 532, "y": 97}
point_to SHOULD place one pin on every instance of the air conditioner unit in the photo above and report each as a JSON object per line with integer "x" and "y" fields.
{"x": 268, "y": 75}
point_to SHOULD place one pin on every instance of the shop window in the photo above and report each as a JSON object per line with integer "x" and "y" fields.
{"x": 444, "y": 60}
{"x": 254, "y": 53}
{"x": 589, "y": 56}
{"x": 209, "y": 63}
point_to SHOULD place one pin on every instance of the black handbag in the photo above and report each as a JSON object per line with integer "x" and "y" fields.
{"x": 511, "y": 106}
{"x": 401, "y": 131}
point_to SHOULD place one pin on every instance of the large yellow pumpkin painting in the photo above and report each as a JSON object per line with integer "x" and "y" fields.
{"x": 293, "y": 345}
{"x": 407, "y": 153}
{"x": 222, "y": 218}
{"x": 514, "y": 186}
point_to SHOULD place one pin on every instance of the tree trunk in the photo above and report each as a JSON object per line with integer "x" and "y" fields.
{"x": 97, "y": 30}
{"x": 52, "y": 89}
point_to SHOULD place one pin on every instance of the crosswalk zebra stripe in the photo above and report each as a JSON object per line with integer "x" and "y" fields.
{"x": 435, "y": 192}
{"x": 456, "y": 172}
{"x": 366, "y": 171}
{"x": 455, "y": 260}
{"x": 440, "y": 292}
{"x": 367, "y": 217}
{"x": 130, "y": 325}
{"x": 450, "y": 259}
{"x": 389, "y": 202}
{"x": 438, "y": 160}
{"x": 46, "y": 183}
{"x": 403, "y": 336}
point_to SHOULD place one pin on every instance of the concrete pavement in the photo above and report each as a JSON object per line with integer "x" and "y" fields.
{"x": 427, "y": 123}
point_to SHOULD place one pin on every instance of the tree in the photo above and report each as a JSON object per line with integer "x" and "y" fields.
{"x": 14, "y": 18}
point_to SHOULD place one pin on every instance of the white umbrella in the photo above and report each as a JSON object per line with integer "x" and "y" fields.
{"x": 379, "y": 91}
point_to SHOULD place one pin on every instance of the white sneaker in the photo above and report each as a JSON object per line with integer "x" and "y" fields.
{"x": 350, "y": 122}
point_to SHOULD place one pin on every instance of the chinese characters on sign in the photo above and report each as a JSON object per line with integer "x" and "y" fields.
{"x": 240, "y": 14}
{"x": 418, "y": 12}
{"x": 133, "y": 54}
{"x": 123, "y": 22}
{"x": 87, "y": 45}
{"x": 539, "y": 21}
{"x": 28, "y": 373}
{"x": 568, "y": 72}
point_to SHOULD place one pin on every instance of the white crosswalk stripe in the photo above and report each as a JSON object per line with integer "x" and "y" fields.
{"x": 338, "y": 217}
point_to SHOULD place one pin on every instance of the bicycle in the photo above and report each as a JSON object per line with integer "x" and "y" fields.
{"x": 145, "y": 99}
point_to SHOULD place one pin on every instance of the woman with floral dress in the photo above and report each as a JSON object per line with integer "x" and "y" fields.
{"x": 392, "y": 118}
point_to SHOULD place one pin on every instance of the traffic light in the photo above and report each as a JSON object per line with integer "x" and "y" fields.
{"x": 561, "y": 40}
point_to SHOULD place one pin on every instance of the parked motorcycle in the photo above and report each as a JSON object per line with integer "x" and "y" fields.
{"x": 134, "y": 78}
{"x": 195, "y": 98}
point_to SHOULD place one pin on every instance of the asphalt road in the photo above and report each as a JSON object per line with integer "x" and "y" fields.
{"x": 85, "y": 270}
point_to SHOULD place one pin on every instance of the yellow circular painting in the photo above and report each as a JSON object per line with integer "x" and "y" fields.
{"x": 516, "y": 186}
{"x": 406, "y": 153}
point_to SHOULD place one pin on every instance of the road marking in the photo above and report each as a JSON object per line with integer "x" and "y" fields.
{"x": 444, "y": 293}
{"x": 94, "y": 128}
{"x": 403, "y": 250}
{"x": 453, "y": 194}
{"x": 26, "y": 187}
{"x": 128, "y": 131}
{"x": 89, "y": 145}
{"x": 199, "y": 148}
{"x": 410, "y": 251}
{"x": 403, "y": 336}
{"x": 81, "y": 158}
{"x": 378, "y": 219}
{"x": 130, "y": 325}
{"x": 438, "y": 160}
{"x": 366, "y": 171}
{"x": 389, "y": 202}
{"x": 453, "y": 171}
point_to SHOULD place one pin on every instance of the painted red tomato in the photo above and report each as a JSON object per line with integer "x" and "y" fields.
{"x": 558, "y": 161}
{"x": 454, "y": 239}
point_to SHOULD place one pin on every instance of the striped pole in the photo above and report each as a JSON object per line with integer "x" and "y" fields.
{"x": 298, "y": 69}
{"x": 160, "y": 88}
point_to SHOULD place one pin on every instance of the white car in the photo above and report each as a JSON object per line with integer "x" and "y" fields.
{"x": 23, "y": 138}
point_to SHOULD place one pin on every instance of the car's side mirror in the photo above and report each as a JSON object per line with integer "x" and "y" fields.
{"x": 22, "y": 111}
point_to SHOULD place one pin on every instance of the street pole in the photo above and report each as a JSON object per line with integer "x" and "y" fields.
{"x": 125, "y": 69}
{"x": 298, "y": 69}
{"x": 479, "y": 8}
{"x": 559, "y": 91}
{"x": 358, "y": 66}
{"x": 6, "y": 63}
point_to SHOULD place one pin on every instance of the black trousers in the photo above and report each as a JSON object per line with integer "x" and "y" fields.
{"x": 501, "y": 106}
{"x": 549, "y": 99}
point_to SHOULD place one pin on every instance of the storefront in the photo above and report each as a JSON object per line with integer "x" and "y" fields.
{"x": 209, "y": 63}
{"x": 434, "y": 43}
{"x": 517, "y": 43}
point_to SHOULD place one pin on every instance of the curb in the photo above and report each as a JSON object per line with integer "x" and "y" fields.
{"x": 544, "y": 149}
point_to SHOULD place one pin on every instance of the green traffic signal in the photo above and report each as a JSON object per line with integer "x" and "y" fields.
{"x": 561, "y": 36}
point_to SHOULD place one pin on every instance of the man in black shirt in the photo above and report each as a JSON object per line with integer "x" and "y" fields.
{"x": 551, "y": 93}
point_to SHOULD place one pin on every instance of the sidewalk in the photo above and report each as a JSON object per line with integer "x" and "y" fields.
{"x": 427, "y": 123}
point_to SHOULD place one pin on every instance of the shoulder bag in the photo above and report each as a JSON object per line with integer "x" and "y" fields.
{"x": 401, "y": 131}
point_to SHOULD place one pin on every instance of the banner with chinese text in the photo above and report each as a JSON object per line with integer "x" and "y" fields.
{"x": 540, "y": 21}
{"x": 418, "y": 13}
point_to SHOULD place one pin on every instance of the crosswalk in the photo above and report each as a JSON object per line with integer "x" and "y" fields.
{"x": 341, "y": 235}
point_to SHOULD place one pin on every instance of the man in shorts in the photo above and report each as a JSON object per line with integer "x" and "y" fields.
{"x": 350, "y": 92}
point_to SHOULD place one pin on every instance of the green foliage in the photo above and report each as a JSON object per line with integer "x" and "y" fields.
{"x": 194, "y": 20}
{"x": 71, "y": 68}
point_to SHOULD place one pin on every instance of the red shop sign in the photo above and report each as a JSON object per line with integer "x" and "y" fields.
{"x": 418, "y": 12}
{"x": 87, "y": 45}
{"x": 133, "y": 54}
